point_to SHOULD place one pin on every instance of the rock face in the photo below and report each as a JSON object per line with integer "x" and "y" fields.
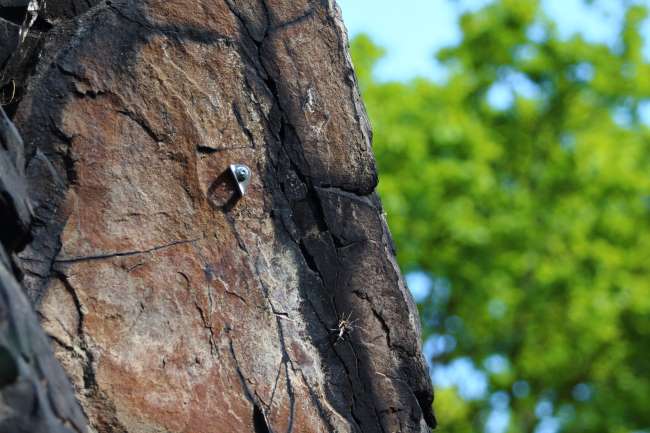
{"x": 35, "y": 395}
{"x": 174, "y": 304}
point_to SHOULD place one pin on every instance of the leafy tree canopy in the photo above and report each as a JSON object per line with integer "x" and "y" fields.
{"x": 531, "y": 218}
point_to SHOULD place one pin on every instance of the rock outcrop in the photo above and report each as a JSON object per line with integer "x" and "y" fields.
{"x": 35, "y": 395}
{"x": 173, "y": 303}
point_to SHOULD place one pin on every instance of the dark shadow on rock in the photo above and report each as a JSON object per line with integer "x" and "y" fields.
{"x": 223, "y": 193}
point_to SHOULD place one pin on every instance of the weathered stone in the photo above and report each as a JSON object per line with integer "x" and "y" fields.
{"x": 8, "y": 40}
{"x": 56, "y": 10}
{"x": 49, "y": 11}
{"x": 15, "y": 208}
{"x": 35, "y": 395}
{"x": 17, "y": 55}
{"x": 176, "y": 305}
{"x": 14, "y": 3}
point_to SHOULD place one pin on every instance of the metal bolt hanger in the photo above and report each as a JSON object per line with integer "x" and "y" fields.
{"x": 242, "y": 175}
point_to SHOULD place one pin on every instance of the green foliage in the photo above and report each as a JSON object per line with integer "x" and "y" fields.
{"x": 537, "y": 215}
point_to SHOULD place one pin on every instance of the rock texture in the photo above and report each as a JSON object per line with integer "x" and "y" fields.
{"x": 35, "y": 395}
{"x": 173, "y": 304}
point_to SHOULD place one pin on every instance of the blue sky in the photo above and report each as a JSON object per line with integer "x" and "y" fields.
{"x": 412, "y": 30}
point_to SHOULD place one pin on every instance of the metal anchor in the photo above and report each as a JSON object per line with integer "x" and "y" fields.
{"x": 242, "y": 175}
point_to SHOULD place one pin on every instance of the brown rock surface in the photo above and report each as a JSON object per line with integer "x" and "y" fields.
{"x": 174, "y": 305}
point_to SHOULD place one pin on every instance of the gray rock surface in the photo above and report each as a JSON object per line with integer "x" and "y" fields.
{"x": 35, "y": 395}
